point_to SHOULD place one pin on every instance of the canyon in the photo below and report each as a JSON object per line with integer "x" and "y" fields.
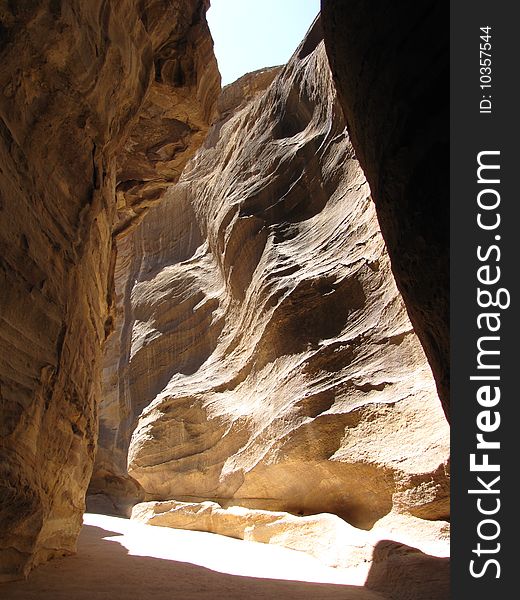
{"x": 270, "y": 231}
{"x": 200, "y": 320}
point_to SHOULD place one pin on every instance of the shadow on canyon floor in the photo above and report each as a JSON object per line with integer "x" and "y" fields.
{"x": 400, "y": 572}
{"x": 103, "y": 569}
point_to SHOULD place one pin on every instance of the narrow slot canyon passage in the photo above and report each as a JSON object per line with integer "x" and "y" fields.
{"x": 215, "y": 381}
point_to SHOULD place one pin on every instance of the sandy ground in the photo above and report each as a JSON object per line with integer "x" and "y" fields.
{"x": 118, "y": 559}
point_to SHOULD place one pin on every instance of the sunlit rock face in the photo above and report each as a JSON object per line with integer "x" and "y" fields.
{"x": 267, "y": 359}
{"x": 390, "y": 62}
{"x": 129, "y": 385}
{"x": 79, "y": 81}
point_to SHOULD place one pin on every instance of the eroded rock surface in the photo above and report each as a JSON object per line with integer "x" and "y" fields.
{"x": 391, "y": 66}
{"x": 79, "y": 82}
{"x": 267, "y": 359}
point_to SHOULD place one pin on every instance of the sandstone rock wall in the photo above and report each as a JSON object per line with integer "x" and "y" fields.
{"x": 170, "y": 236}
{"x": 391, "y": 67}
{"x": 266, "y": 356}
{"x": 260, "y": 354}
{"x": 76, "y": 79}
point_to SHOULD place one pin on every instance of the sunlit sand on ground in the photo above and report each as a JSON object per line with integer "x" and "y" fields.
{"x": 118, "y": 558}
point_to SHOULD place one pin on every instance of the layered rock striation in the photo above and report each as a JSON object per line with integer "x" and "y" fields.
{"x": 263, "y": 356}
{"x": 391, "y": 68}
{"x": 80, "y": 82}
{"x": 240, "y": 327}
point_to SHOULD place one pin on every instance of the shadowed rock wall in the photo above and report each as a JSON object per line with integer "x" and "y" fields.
{"x": 261, "y": 353}
{"x": 390, "y": 62}
{"x": 79, "y": 81}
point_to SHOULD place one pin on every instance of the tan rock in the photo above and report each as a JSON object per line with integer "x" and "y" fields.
{"x": 74, "y": 77}
{"x": 267, "y": 359}
{"x": 180, "y": 103}
{"x": 261, "y": 354}
{"x": 400, "y": 131}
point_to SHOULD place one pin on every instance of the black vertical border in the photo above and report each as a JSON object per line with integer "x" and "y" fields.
{"x": 472, "y": 132}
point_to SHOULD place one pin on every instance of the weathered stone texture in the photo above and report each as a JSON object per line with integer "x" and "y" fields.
{"x": 390, "y": 62}
{"x": 267, "y": 358}
{"x": 258, "y": 353}
{"x": 74, "y": 77}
